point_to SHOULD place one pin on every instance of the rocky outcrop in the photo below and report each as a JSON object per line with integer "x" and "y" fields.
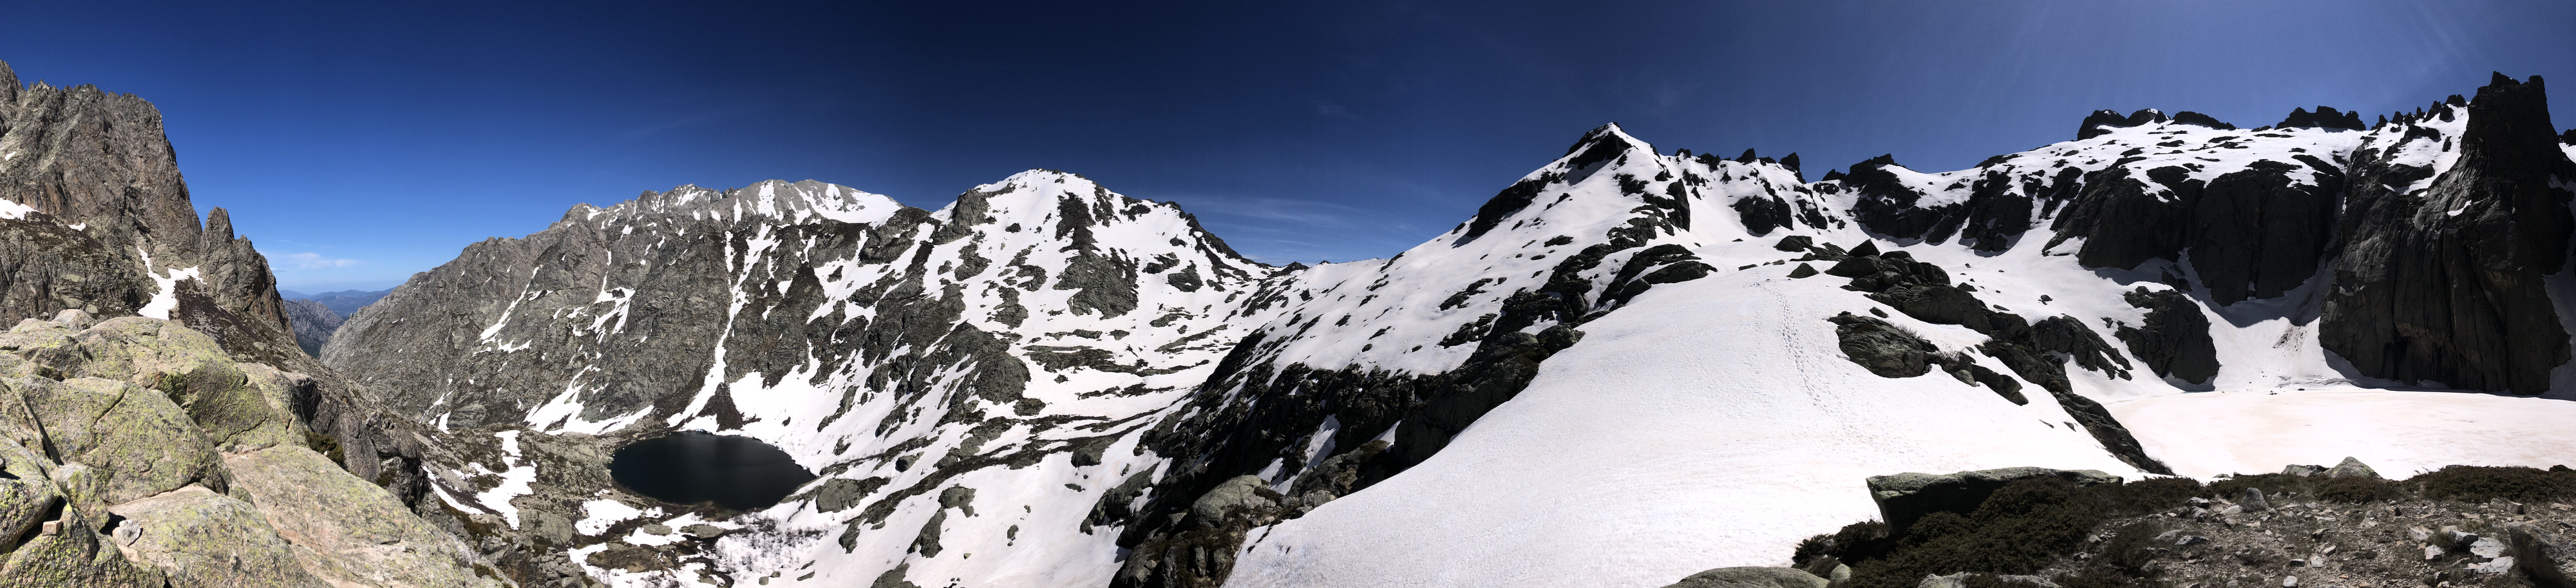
{"x": 97, "y": 168}
{"x": 1905, "y": 498}
{"x": 148, "y": 455}
{"x": 2443, "y": 282}
{"x": 2256, "y": 232}
{"x": 1884, "y": 349}
{"x": 2175, "y": 339}
{"x": 2093, "y": 123}
{"x": 2325, "y": 117}
{"x": 313, "y": 324}
{"x": 1923, "y": 291}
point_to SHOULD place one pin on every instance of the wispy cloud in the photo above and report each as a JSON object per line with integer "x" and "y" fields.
{"x": 311, "y": 260}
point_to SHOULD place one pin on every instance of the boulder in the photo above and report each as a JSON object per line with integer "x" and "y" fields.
{"x": 1957, "y": 580}
{"x": 2547, "y": 558}
{"x": 1751, "y": 577}
{"x": 1907, "y": 497}
{"x": 2351, "y": 468}
{"x": 2252, "y": 500}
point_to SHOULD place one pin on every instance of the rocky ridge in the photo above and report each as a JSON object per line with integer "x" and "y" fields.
{"x": 144, "y": 456}
{"x": 1202, "y": 403}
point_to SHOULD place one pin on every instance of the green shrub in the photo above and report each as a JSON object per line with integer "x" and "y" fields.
{"x": 2131, "y": 547}
{"x": 2484, "y": 483}
{"x": 2018, "y": 530}
{"x": 2146, "y": 496}
{"x": 1862, "y": 540}
{"x": 2359, "y": 489}
{"x": 2272, "y": 485}
{"x": 1811, "y": 547}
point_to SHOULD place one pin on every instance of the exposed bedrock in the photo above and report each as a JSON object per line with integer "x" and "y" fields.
{"x": 1991, "y": 217}
{"x": 313, "y": 324}
{"x": 97, "y": 160}
{"x": 1923, "y": 291}
{"x": 2252, "y": 233}
{"x": 2175, "y": 341}
{"x": 2444, "y": 284}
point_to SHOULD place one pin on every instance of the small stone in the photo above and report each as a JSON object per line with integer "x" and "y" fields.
{"x": 2496, "y": 566}
{"x": 2486, "y": 547}
{"x": 2289, "y": 581}
{"x": 51, "y": 528}
{"x": 2432, "y": 552}
{"x": 2419, "y": 534}
{"x": 2190, "y": 540}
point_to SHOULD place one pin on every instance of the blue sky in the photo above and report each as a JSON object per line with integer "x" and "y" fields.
{"x": 358, "y": 143}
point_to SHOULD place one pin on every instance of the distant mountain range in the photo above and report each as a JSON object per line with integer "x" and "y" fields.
{"x": 343, "y": 303}
{"x": 314, "y": 317}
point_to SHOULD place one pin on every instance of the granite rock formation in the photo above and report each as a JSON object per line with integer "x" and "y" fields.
{"x": 2447, "y": 240}
{"x": 313, "y": 324}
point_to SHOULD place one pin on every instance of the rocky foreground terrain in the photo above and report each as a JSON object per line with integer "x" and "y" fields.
{"x": 1621, "y": 371}
{"x": 2343, "y": 526}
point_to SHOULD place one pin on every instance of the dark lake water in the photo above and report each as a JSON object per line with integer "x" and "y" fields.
{"x": 690, "y": 467}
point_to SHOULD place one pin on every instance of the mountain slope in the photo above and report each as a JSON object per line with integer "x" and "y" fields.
{"x": 1626, "y": 367}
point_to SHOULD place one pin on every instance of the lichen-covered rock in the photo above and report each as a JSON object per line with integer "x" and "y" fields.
{"x": 138, "y": 441}
{"x": 346, "y": 530}
{"x": 2351, "y": 468}
{"x": 1751, "y": 577}
{"x": 203, "y": 539}
{"x": 234, "y": 409}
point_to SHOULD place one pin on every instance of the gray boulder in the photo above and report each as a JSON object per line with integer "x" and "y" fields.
{"x": 2351, "y": 468}
{"x": 2253, "y": 500}
{"x": 1883, "y": 348}
{"x": 1751, "y": 577}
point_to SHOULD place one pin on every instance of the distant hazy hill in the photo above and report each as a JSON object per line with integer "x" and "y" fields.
{"x": 343, "y": 303}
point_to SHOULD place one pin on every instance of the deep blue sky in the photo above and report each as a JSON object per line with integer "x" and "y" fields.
{"x": 358, "y": 143}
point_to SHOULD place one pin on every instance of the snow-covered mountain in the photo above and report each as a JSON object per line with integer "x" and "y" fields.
{"x": 1629, "y": 366}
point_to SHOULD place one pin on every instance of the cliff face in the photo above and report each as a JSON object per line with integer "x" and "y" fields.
{"x": 313, "y": 323}
{"x": 96, "y": 166}
{"x": 2450, "y": 226}
{"x": 96, "y": 225}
